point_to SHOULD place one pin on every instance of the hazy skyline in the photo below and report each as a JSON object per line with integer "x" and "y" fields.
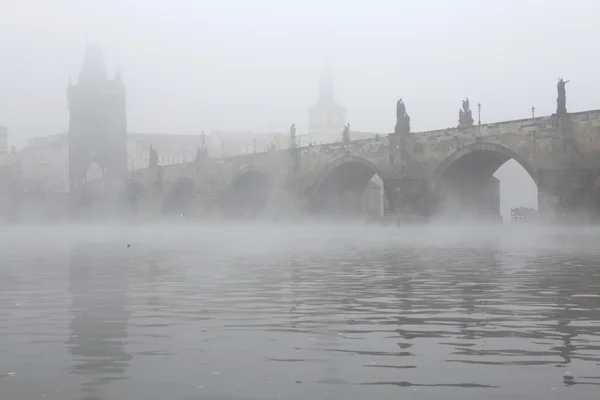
{"x": 190, "y": 65}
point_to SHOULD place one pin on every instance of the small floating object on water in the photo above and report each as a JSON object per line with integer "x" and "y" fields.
{"x": 183, "y": 214}
{"x": 128, "y": 245}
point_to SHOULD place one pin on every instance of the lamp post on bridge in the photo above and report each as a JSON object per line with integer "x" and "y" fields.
{"x": 479, "y": 113}
{"x": 533, "y": 112}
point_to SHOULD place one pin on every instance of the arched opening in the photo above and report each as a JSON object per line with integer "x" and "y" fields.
{"x": 130, "y": 197}
{"x": 483, "y": 183}
{"x": 249, "y": 195}
{"x": 180, "y": 200}
{"x": 94, "y": 172}
{"x": 349, "y": 188}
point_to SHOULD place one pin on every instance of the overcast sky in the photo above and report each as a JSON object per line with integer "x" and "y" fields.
{"x": 254, "y": 65}
{"x": 224, "y": 64}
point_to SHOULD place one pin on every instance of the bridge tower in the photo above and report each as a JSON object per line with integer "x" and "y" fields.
{"x": 97, "y": 121}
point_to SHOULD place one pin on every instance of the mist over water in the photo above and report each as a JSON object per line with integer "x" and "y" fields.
{"x": 299, "y": 311}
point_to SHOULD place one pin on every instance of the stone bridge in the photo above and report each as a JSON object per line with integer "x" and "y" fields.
{"x": 423, "y": 173}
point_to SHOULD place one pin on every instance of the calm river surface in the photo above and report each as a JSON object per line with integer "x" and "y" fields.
{"x": 299, "y": 312}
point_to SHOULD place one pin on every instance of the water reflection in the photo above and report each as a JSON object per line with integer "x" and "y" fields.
{"x": 98, "y": 287}
{"x": 333, "y": 313}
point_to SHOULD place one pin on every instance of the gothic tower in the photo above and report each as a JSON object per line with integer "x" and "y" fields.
{"x": 97, "y": 122}
{"x": 326, "y": 119}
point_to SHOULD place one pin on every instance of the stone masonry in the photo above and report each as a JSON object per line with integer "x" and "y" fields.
{"x": 562, "y": 154}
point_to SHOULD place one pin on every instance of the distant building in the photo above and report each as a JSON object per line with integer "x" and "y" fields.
{"x": 233, "y": 143}
{"x": 374, "y": 197}
{"x": 44, "y": 163}
{"x": 327, "y": 118}
{"x": 523, "y": 214}
{"x": 45, "y": 160}
{"x": 9, "y": 179}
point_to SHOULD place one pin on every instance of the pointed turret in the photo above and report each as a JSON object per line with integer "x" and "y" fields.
{"x": 326, "y": 118}
{"x": 326, "y": 92}
{"x": 93, "y": 68}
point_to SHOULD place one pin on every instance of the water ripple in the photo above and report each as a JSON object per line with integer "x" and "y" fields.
{"x": 298, "y": 312}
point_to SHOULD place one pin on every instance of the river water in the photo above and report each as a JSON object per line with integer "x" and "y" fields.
{"x": 299, "y": 312}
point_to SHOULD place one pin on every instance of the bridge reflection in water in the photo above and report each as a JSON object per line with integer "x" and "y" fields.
{"x": 321, "y": 311}
{"x": 98, "y": 286}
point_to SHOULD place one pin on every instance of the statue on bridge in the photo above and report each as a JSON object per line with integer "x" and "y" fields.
{"x": 402, "y": 119}
{"x": 153, "y": 158}
{"x": 293, "y": 136}
{"x": 346, "y": 134}
{"x": 465, "y": 117}
{"x": 202, "y": 150}
{"x": 561, "y": 101}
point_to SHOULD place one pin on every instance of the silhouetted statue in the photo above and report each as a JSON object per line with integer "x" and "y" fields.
{"x": 153, "y": 158}
{"x": 293, "y": 135}
{"x": 465, "y": 117}
{"x": 346, "y": 134}
{"x": 402, "y": 119}
{"x": 561, "y": 101}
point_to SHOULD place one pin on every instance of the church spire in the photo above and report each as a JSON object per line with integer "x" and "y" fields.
{"x": 93, "y": 68}
{"x": 326, "y": 93}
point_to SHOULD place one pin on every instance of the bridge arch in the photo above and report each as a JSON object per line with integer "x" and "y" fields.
{"x": 180, "y": 197}
{"x": 249, "y": 192}
{"x": 349, "y": 185}
{"x": 94, "y": 171}
{"x": 249, "y": 171}
{"x": 464, "y": 183}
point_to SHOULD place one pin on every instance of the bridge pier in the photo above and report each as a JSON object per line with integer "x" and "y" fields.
{"x": 408, "y": 196}
{"x": 567, "y": 196}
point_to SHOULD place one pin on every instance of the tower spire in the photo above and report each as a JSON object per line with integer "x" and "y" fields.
{"x": 326, "y": 92}
{"x": 93, "y": 68}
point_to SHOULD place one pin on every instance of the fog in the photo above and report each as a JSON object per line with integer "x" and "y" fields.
{"x": 213, "y": 279}
{"x": 190, "y": 65}
{"x": 239, "y": 65}
{"x": 295, "y": 311}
